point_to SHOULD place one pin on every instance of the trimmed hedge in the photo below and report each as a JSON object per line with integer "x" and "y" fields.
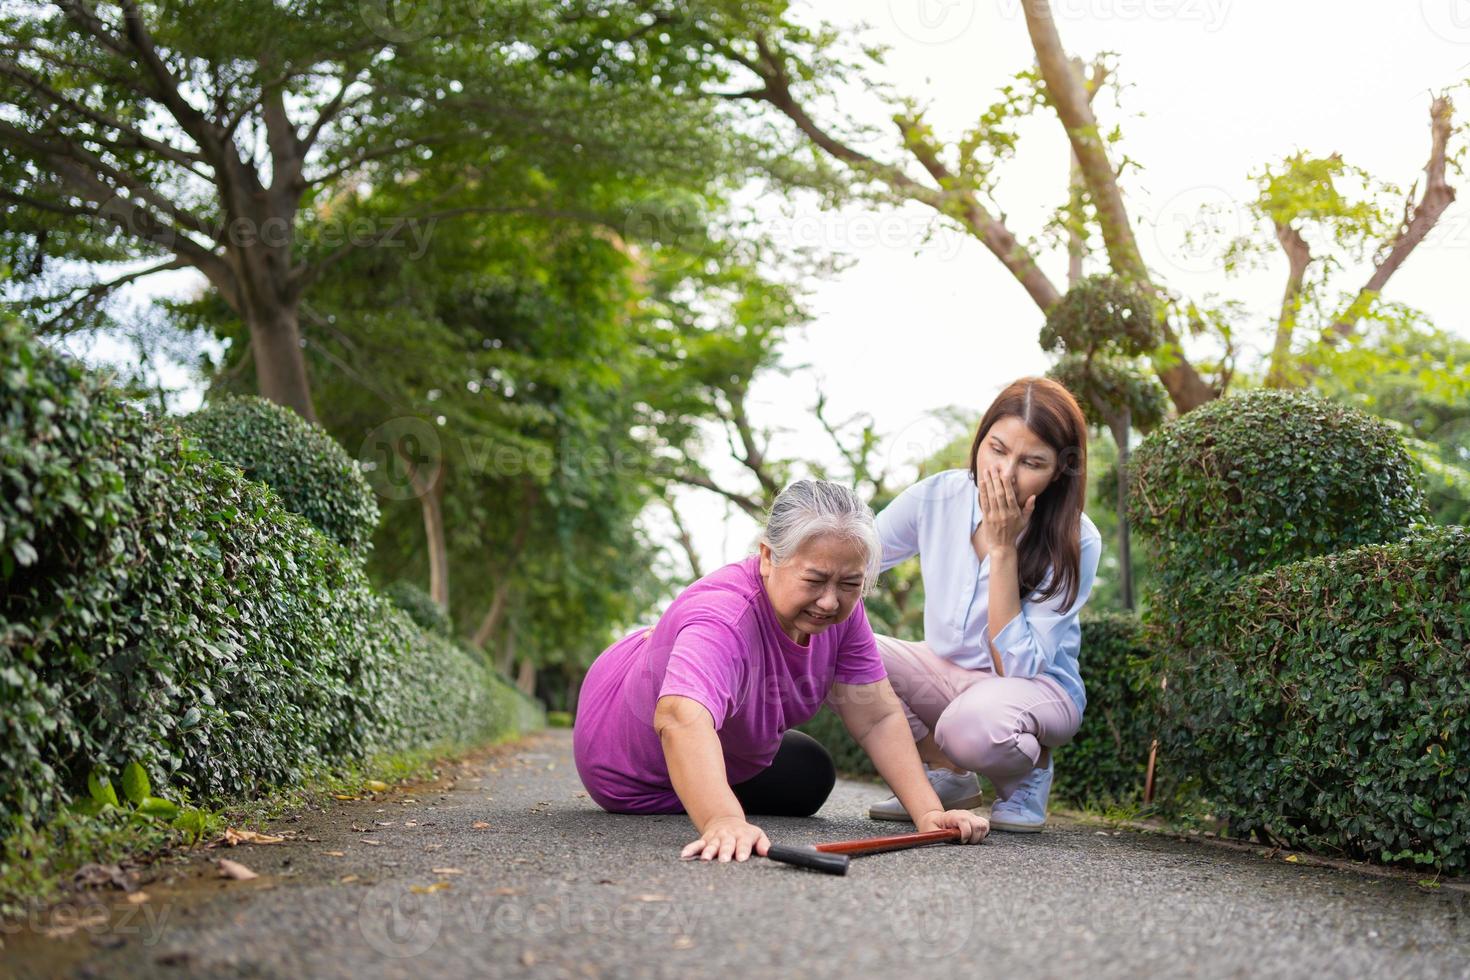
{"x": 157, "y": 606}
{"x": 1261, "y": 479}
{"x": 421, "y": 608}
{"x": 1325, "y": 703}
{"x": 1107, "y": 760}
{"x": 309, "y": 471}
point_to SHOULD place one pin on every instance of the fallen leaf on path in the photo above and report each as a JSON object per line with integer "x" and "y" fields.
{"x": 383, "y": 823}
{"x": 347, "y": 879}
{"x": 376, "y": 785}
{"x": 104, "y": 874}
{"x": 479, "y": 825}
{"x": 138, "y": 898}
{"x": 343, "y": 796}
{"x": 684, "y": 942}
{"x": 358, "y": 830}
{"x": 372, "y": 843}
{"x": 410, "y": 823}
{"x": 506, "y": 891}
{"x": 447, "y": 871}
{"x": 437, "y": 886}
{"x": 233, "y": 837}
{"x": 653, "y": 898}
{"x": 335, "y": 854}
{"x": 1292, "y": 858}
{"x": 235, "y": 870}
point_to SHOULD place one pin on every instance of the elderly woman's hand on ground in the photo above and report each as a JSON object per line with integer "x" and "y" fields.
{"x": 973, "y": 828}
{"x": 726, "y": 837}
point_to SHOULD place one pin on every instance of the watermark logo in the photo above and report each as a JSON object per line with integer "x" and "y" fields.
{"x": 1211, "y": 14}
{"x": 932, "y": 21}
{"x": 1448, "y": 19}
{"x": 398, "y": 921}
{"x": 401, "y": 21}
{"x": 401, "y": 458}
{"x": 1195, "y": 228}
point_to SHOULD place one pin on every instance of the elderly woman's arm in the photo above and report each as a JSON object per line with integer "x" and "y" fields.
{"x": 697, "y": 769}
{"x": 873, "y": 716}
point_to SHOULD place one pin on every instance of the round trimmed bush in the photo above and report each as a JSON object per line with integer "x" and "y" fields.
{"x": 1322, "y": 703}
{"x": 421, "y": 608}
{"x": 1269, "y": 477}
{"x": 301, "y": 462}
{"x": 157, "y": 607}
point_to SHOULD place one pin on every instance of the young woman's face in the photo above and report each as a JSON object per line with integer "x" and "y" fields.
{"x": 1024, "y": 460}
{"x": 816, "y": 588}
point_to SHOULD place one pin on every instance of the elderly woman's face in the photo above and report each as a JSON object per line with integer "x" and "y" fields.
{"x": 815, "y": 588}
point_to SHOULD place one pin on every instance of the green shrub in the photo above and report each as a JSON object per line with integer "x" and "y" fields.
{"x": 1107, "y": 762}
{"x": 421, "y": 608}
{"x": 157, "y": 606}
{"x": 305, "y": 466}
{"x": 1324, "y": 703}
{"x": 1265, "y": 478}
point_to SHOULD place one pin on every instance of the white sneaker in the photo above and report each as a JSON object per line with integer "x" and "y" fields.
{"x": 1024, "y": 811}
{"x": 956, "y": 791}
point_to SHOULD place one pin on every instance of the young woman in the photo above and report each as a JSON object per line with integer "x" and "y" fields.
{"x": 1008, "y": 560}
{"x": 693, "y": 715}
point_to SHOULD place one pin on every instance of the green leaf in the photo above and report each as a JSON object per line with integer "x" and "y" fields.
{"x": 100, "y": 787}
{"x": 154, "y": 807}
{"x": 135, "y": 783}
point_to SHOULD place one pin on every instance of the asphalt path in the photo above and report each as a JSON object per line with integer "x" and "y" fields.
{"x": 504, "y": 868}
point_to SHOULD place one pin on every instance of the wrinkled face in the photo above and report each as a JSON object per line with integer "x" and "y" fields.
{"x": 815, "y": 588}
{"x": 1026, "y": 462}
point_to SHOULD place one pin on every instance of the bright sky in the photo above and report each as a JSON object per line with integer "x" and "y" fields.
{"x": 1217, "y": 89}
{"x": 1224, "y": 87}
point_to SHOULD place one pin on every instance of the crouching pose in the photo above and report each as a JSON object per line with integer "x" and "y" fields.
{"x": 694, "y": 714}
{"x": 1008, "y": 560}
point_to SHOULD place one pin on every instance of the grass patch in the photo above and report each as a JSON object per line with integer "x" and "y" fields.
{"x": 37, "y": 863}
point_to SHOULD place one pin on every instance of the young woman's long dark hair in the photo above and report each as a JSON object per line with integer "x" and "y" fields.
{"x": 1052, "y": 540}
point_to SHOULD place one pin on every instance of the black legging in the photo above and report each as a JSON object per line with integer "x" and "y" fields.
{"x": 795, "y": 784}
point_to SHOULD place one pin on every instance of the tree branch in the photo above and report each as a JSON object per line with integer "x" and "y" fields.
{"x": 1419, "y": 219}
{"x": 1299, "y": 256}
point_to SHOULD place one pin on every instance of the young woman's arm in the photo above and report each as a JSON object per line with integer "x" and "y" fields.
{"x": 697, "y": 769}
{"x": 1035, "y": 633}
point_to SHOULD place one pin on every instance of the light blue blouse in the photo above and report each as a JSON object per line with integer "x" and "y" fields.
{"x": 935, "y": 519}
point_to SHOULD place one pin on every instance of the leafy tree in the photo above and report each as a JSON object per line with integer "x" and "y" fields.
{"x": 200, "y": 135}
{"x": 1416, "y": 377}
{"x": 795, "y": 72}
{"x": 1106, "y": 326}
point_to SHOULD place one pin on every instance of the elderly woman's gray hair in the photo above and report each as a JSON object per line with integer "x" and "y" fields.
{"x": 812, "y": 508}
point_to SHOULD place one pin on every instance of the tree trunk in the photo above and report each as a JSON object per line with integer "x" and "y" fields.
{"x": 526, "y": 677}
{"x": 1121, "y": 426}
{"x": 575, "y": 676}
{"x": 493, "y": 615}
{"x": 280, "y": 366}
{"x": 1069, "y": 97}
{"x": 430, "y": 491}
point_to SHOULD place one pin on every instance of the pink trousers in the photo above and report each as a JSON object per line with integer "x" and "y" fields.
{"x": 1000, "y": 727}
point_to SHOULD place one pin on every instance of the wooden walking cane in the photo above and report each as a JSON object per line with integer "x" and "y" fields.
{"x": 832, "y": 858}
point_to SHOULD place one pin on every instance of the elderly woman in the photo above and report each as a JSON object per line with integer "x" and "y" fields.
{"x": 693, "y": 715}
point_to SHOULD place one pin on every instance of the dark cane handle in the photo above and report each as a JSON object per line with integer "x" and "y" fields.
{"x": 805, "y": 857}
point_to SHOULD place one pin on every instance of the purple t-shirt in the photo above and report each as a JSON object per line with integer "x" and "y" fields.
{"x": 718, "y": 643}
